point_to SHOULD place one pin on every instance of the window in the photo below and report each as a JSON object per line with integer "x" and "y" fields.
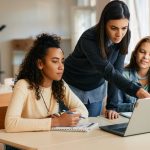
{"x": 139, "y": 22}
{"x": 83, "y": 17}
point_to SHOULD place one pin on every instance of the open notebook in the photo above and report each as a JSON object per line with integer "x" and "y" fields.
{"x": 84, "y": 127}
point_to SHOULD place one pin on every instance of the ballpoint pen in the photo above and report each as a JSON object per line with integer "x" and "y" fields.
{"x": 69, "y": 112}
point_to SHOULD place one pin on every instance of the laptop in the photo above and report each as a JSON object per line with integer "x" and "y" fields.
{"x": 138, "y": 123}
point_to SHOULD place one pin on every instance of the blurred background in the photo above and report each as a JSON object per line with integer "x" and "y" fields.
{"x": 22, "y": 20}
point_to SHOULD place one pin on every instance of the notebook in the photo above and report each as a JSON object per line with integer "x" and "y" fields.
{"x": 84, "y": 127}
{"x": 126, "y": 114}
{"x": 138, "y": 123}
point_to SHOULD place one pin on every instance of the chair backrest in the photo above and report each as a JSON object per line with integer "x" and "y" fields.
{"x": 2, "y": 116}
{"x": 4, "y": 102}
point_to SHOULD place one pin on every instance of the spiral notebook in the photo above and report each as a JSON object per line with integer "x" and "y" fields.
{"x": 86, "y": 127}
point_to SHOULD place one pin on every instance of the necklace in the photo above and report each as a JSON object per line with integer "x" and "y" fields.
{"x": 45, "y": 102}
{"x": 141, "y": 78}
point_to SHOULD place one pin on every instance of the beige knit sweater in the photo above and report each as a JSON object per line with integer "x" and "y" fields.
{"x": 26, "y": 113}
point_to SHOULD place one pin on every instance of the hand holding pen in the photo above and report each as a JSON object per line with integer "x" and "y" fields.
{"x": 73, "y": 112}
{"x": 68, "y": 112}
{"x": 65, "y": 118}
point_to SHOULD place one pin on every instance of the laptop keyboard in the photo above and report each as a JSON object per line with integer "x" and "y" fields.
{"x": 116, "y": 128}
{"x": 120, "y": 129}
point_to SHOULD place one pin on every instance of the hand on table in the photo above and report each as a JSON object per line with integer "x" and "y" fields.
{"x": 111, "y": 114}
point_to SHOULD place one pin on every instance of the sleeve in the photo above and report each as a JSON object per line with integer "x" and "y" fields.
{"x": 73, "y": 102}
{"x": 104, "y": 67}
{"x": 124, "y": 103}
{"x": 112, "y": 92}
{"x": 14, "y": 122}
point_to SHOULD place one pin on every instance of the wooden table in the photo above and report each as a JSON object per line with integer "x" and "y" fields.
{"x": 94, "y": 140}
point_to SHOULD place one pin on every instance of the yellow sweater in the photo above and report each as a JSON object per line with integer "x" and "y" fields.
{"x": 26, "y": 113}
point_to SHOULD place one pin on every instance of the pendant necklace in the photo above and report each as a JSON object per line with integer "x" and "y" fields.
{"x": 45, "y": 102}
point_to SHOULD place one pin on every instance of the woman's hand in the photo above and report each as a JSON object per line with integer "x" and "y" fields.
{"x": 141, "y": 93}
{"x": 111, "y": 114}
{"x": 66, "y": 120}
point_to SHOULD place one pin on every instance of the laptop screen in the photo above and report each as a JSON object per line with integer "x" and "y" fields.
{"x": 139, "y": 122}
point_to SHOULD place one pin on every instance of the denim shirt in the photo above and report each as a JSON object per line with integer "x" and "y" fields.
{"x": 125, "y": 101}
{"x": 91, "y": 96}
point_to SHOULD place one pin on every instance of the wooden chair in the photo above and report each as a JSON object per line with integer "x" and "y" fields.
{"x": 2, "y": 114}
{"x": 4, "y": 101}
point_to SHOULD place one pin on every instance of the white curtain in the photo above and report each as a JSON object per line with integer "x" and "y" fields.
{"x": 139, "y": 23}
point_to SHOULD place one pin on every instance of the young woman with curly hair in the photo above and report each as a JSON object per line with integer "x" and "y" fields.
{"x": 39, "y": 90}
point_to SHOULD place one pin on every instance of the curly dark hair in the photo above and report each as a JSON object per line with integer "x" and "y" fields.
{"x": 31, "y": 73}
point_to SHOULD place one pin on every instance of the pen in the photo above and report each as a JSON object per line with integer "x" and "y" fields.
{"x": 69, "y": 112}
{"x": 90, "y": 124}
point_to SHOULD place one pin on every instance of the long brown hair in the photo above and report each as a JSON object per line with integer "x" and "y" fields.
{"x": 133, "y": 64}
{"x": 112, "y": 11}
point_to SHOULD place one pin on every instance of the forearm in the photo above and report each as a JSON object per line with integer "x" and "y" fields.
{"x": 15, "y": 124}
{"x": 112, "y": 98}
{"x": 125, "y": 107}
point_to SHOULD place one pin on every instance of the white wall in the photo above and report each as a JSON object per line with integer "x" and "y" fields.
{"x": 27, "y": 18}
{"x": 5, "y": 59}
{"x": 100, "y": 4}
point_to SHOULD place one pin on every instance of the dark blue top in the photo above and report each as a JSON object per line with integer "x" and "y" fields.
{"x": 85, "y": 69}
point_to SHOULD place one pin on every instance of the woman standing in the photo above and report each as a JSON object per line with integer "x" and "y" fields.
{"x": 99, "y": 56}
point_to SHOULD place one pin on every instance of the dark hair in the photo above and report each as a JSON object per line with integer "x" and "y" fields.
{"x": 113, "y": 10}
{"x": 29, "y": 70}
{"x": 133, "y": 64}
